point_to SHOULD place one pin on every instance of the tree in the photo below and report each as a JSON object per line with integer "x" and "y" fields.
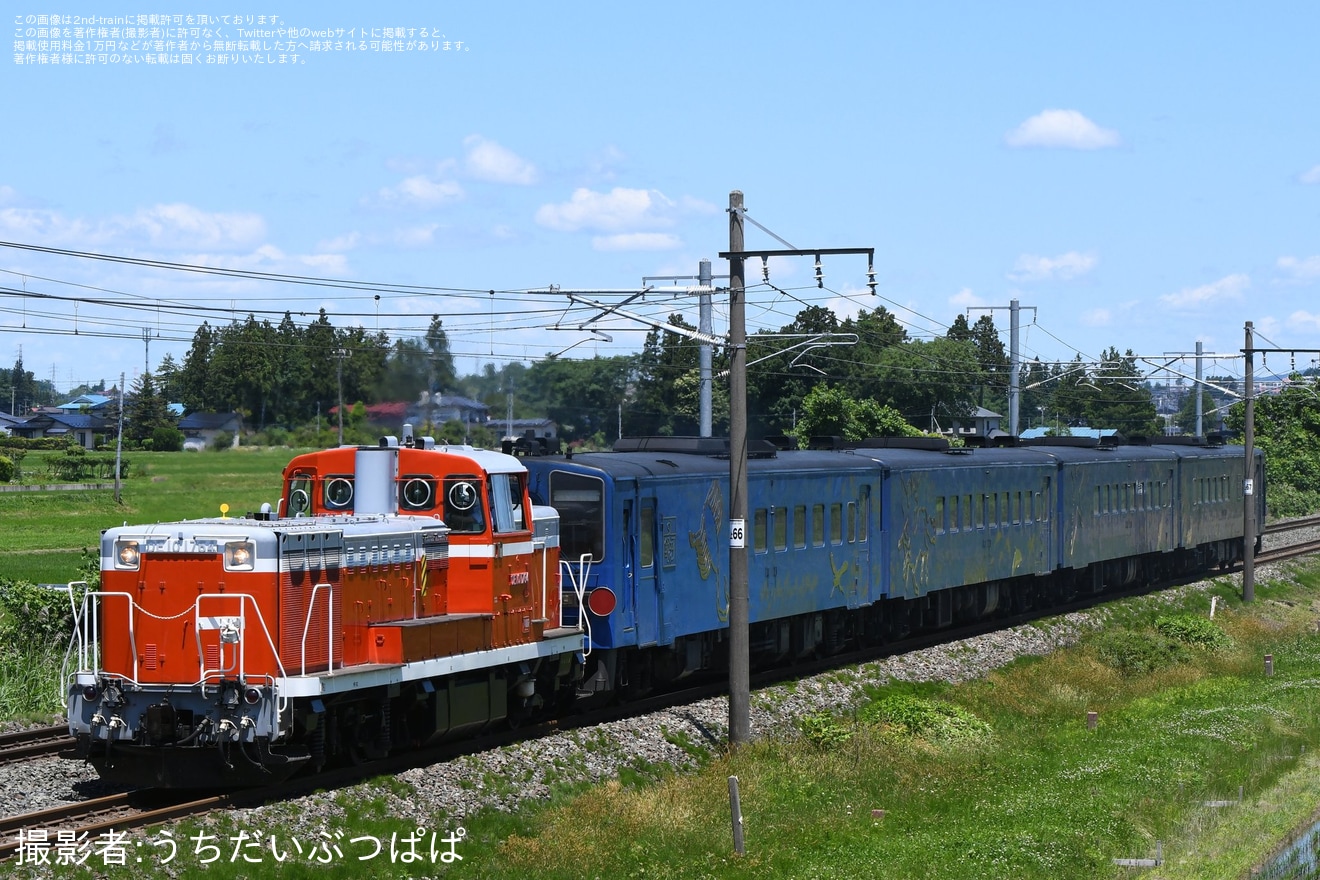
{"x": 1287, "y": 431}
{"x": 147, "y": 411}
{"x": 442, "y": 373}
{"x": 169, "y": 379}
{"x": 831, "y": 411}
{"x": 1186, "y": 417}
{"x": 196, "y": 391}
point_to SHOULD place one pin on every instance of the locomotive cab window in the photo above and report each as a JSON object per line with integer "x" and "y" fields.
{"x": 299, "y": 501}
{"x": 338, "y": 491}
{"x": 506, "y": 498}
{"x": 417, "y": 492}
{"x": 580, "y": 501}
{"x": 463, "y": 508}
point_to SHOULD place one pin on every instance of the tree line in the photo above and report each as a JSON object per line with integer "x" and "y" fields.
{"x": 286, "y": 375}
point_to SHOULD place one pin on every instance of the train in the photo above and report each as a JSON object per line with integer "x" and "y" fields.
{"x": 411, "y": 591}
{"x": 864, "y": 543}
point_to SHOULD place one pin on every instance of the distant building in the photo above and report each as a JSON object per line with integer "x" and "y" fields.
{"x": 81, "y": 427}
{"x": 982, "y": 423}
{"x": 201, "y": 429}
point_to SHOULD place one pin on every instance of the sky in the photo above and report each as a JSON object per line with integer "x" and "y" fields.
{"x": 1136, "y": 175}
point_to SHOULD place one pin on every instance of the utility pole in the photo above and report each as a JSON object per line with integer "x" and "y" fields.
{"x": 740, "y": 727}
{"x": 704, "y": 325}
{"x": 1014, "y": 359}
{"x": 740, "y": 700}
{"x": 339, "y": 379}
{"x": 1200, "y": 403}
{"x": 146, "y": 349}
{"x": 119, "y": 441}
{"x": 1249, "y": 474}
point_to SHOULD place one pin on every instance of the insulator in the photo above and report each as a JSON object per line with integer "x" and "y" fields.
{"x": 820, "y": 275}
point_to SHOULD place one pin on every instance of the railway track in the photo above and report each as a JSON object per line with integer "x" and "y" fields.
{"x": 145, "y": 808}
{"x": 25, "y": 745}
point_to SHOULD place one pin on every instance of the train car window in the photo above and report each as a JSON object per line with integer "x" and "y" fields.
{"x": 978, "y": 512}
{"x": 969, "y": 513}
{"x": 758, "y": 530}
{"x": 941, "y": 524}
{"x": 338, "y": 492}
{"x": 580, "y": 500}
{"x": 646, "y": 537}
{"x": 852, "y": 521}
{"x": 464, "y": 512}
{"x": 818, "y": 525}
{"x": 1017, "y": 507}
{"x": 954, "y": 523}
{"x": 799, "y": 526}
{"x": 299, "y": 501}
{"x": 836, "y": 523}
{"x": 417, "y": 492}
{"x": 780, "y": 517}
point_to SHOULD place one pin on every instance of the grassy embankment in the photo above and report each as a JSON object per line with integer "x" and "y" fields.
{"x": 44, "y": 533}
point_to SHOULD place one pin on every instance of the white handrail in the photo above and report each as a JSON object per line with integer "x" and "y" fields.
{"x": 329, "y": 629}
{"x": 579, "y": 584}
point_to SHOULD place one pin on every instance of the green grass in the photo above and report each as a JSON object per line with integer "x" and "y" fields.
{"x": 44, "y": 532}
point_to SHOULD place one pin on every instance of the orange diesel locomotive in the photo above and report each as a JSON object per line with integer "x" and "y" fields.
{"x": 401, "y": 594}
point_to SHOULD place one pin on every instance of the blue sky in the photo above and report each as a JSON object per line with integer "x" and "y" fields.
{"x": 1144, "y": 175}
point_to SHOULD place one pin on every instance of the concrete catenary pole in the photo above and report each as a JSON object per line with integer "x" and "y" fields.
{"x": 704, "y": 325}
{"x": 1200, "y": 402}
{"x": 1014, "y": 394}
{"x": 1249, "y": 474}
{"x": 740, "y": 732}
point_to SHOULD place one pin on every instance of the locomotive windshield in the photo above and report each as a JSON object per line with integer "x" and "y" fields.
{"x": 580, "y": 502}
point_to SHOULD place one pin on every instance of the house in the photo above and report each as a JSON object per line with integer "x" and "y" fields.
{"x": 982, "y": 423}
{"x": 82, "y": 427}
{"x": 7, "y": 422}
{"x": 201, "y": 429}
{"x": 86, "y": 403}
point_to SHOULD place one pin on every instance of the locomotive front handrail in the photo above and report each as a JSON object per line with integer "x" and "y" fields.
{"x": 87, "y": 631}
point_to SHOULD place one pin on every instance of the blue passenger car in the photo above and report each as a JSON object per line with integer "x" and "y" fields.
{"x": 865, "y": 543}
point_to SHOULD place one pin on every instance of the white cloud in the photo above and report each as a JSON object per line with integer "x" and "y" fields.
{"x": 1305, "y": 269}
{"x": 415, "y": 236}
{"x": 340, "y": 243}
{"x": 7, "y": 195}
{"x": 1301, "y": 320}
{"x": 181, "y": 225}
{"x": 1030, "y": 267}
{"x": 965, "y": 299}
{"x": 487, "y": 160}
{"x": 1227, "y": 289}
{"x": 1312, "y": 176}
{"x": 421, "y": 190}
{"x": 1097, "y": 318}
{"x": 636, "y": 241}
{"x": 1066, "y": 129}
{"x": 617, "y": 210}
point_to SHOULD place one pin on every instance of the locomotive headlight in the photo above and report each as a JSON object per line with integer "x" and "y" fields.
{"x": 239, "y": 555}
{"x": 252, "y": 696}
{"x": 127, "y": 555}
{"x": 90, "y": 693}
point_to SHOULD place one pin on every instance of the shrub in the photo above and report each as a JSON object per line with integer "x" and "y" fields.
{"x": 6, "y": 469}
{"x": 1193, "y": 629}
{"x": 1137, "y": 653}
{"x": 932, "y": 720}
{"x": 35, "y": 616}
{"x": 823, "y": 730}
{"x": 167, "y": 438}
{"x": 223, "y": 440}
